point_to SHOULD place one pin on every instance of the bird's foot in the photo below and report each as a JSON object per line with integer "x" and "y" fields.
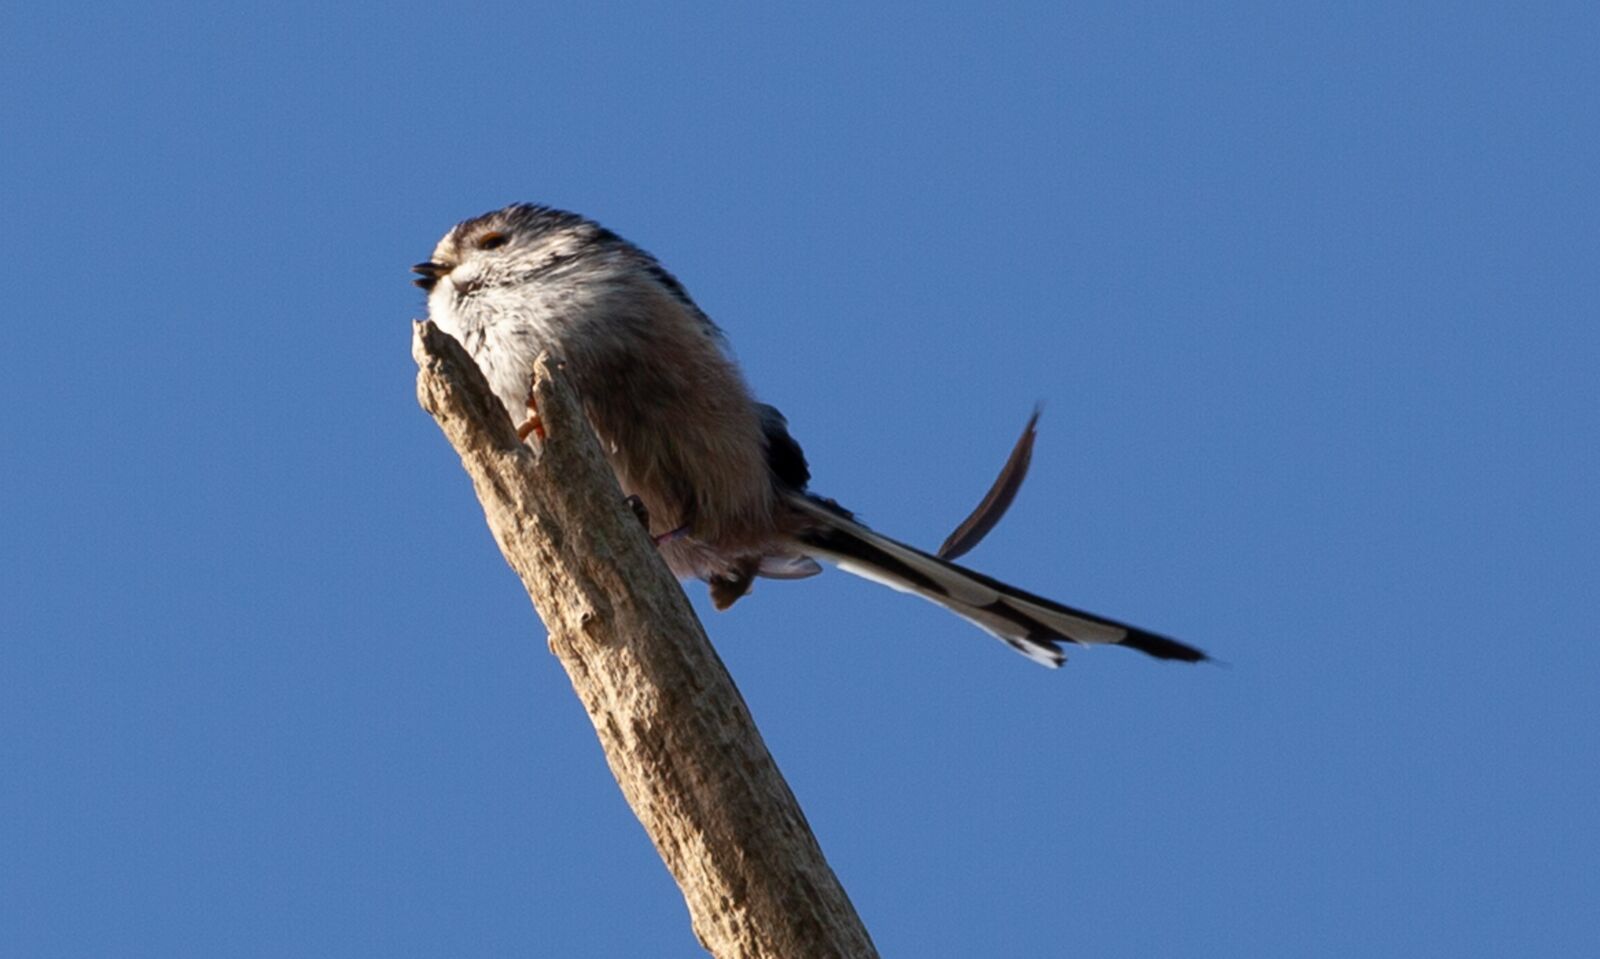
{"x": 532, "y": 425}
{"x": 642, "y": 513}
{"x": 671, "y": 535}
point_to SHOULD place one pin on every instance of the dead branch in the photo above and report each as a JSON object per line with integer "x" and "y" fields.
{"x": 676, "y": 733}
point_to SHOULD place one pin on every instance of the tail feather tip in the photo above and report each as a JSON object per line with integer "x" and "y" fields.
{"x": 1161, "y": 647}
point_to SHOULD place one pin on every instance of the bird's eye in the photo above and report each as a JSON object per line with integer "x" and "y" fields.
{"x": 490, "y": 241}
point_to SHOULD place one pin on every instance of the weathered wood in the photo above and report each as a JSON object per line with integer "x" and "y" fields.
{"x": 676, "y": 733}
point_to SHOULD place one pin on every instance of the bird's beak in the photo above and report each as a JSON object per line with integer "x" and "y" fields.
{"x": 430, "y": 273}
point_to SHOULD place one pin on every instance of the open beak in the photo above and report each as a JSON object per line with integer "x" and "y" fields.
{"x": 429, "y": 274}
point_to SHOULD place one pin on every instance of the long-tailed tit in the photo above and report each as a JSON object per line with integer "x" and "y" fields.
{"x": 722, "y": 482}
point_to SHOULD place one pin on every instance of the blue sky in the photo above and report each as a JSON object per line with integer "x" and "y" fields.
{"x": 1309, "y": 294}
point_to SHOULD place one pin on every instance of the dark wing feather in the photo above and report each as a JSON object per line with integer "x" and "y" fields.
{"x": 995, "y": 502}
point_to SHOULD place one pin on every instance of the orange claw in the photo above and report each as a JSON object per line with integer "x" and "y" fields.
{"x": 533, "y": 424}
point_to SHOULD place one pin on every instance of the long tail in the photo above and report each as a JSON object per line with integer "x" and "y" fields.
{"x": 1029, "y": 624}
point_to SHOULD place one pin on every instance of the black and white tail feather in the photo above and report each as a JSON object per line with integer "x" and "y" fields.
{"x": 1030, "y": 624}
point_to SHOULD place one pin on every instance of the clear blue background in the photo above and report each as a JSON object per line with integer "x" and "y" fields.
{"x": 1309, "y": 292}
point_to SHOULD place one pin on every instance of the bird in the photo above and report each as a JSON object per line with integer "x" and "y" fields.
{"x": 715, "y": 473}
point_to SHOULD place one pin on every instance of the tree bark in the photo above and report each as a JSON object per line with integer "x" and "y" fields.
{"x": 676, "y": 733}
